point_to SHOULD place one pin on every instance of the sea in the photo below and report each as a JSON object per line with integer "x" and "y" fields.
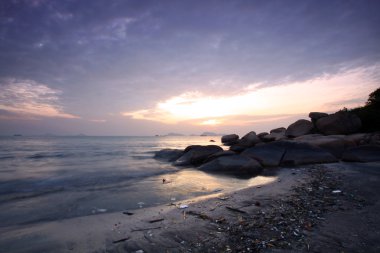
{"x": 53, "y": 178}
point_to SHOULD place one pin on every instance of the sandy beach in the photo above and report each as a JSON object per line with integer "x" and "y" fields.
{"x": 320, "y": 208}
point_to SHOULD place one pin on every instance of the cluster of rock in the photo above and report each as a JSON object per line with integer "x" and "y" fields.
{"x": 323, "y": 139}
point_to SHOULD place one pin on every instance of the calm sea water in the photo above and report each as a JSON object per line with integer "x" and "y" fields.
{"x": 52, "y": 178}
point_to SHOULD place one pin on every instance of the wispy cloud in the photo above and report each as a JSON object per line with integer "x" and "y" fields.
{"x": 27, "y": 98}
{"x": 325, "y": 93}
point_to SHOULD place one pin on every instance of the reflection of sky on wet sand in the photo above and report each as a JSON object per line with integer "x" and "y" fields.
{"x": 192, "y": 182}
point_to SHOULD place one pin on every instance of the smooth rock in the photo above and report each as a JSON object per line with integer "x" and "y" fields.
{"x": 249, "y": 140}
{"x": 236, "y": 164}
{"x": 269, "y": 155}
{"x": 219, "y": 154}
{"x": 365, "y": 153}
{"x": 275, "y": 135}
{"x": 278, "y": 130}
{"x": 298, "y": 128}
{"x": 230, "y": 139}
{"x": 339, "y": 123}
{"x": 196, "y": 154}
{"x": 168, "y": 154}
{"x": 238, "y": 148}
{"x": 335, "y": 144}
{"x": 261, "y": 135}
{"x": 303, "y": 153}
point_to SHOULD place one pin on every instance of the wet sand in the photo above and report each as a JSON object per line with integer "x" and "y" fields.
{"x": 296, "y": 212}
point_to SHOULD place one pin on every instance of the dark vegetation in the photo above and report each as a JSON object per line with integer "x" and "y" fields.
{"x": 370, "y": 113}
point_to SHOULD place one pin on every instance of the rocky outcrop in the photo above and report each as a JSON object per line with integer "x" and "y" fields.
{"x": 299, "y": 128}
{"x": 196, "y": 154}
{"x": 230, "y": 139}
{"x": 365, "y": 153}
{"x": 236, "y": 164}
{"x": 339, "y": 123}
{"x": 168, "y": 154}
{"x": 299, "y": 144}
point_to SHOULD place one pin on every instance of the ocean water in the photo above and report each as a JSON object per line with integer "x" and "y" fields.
{"x": 53, "y": 178}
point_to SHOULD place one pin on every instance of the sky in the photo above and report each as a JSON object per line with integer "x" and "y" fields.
{"x": 120, "y": 67}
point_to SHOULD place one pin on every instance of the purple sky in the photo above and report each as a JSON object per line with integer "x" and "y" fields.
{"x": 121, "y": 67}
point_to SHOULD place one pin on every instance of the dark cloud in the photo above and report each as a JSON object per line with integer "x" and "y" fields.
{"x": 119, "y": 55}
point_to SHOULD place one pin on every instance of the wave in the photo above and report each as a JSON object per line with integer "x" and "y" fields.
{"x": 44, "y": 155}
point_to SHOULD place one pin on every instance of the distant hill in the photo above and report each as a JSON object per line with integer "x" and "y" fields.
{"x": 210, "y": 134}
{"x": 174, "y": 134}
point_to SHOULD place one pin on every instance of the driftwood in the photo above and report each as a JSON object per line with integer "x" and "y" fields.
{"x": 121, "y": 240}
{"x": 235, "y": 209}
{"x": 156, "y": 220}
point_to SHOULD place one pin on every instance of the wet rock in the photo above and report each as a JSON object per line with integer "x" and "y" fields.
{"x": 339, "y": 123}
{"x": 230, "y": 139}
{"x": 365, "y": 153}
{"x": 299, "y": 128}
{"x": 303, "y": 153}
{"x": 196, "y": 154}
{"x": 219, "y": 154}
{"x": 168, "y": 154}
{"x": 236, "y": 164}
{"x": 269, "y": 155}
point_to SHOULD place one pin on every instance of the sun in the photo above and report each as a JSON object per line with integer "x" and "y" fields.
{"x": 210, "y": 122}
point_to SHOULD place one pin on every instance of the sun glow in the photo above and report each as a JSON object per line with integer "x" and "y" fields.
{"x": 325, "y": 93}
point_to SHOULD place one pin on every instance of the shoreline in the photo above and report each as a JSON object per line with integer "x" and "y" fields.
{"x": 226, "y": 222}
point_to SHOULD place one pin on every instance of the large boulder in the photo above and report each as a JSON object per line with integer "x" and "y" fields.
{"x": 303, "y": 153}
{"x": 249, "y": 140}
{"x": 335, "y": 144}
{"x": 230, "y": 139}
{"x": 314, "y": 116}
{"x": 278, "y": 130}
{"x": 339, "y": 123}
{"x": 261, "y": 135}
{"x": 298, "y": 128}
{"x": 236, "y": 164}
{"x": 168, "y": 154}
{"x": 365, "y": 153}
{"x": 196, "y": 154}
{"x": 269, "y": 155}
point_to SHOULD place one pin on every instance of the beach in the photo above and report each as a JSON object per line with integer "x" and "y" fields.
{"x": 318, "y": 208}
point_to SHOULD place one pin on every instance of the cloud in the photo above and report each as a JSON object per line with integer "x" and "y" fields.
{"x": 329, "y": 92}
{"x": 29, "y": 99}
